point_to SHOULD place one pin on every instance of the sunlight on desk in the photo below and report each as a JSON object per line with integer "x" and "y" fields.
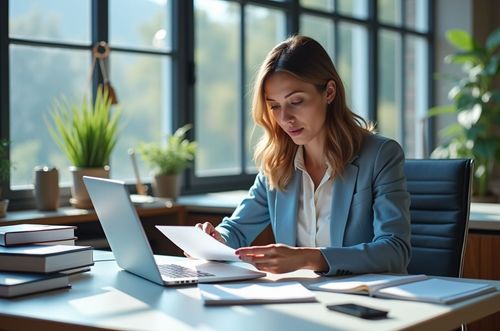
{"x": 116, "y": 307}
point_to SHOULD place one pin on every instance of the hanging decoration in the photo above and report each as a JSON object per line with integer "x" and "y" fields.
{"x": 100, "y": 52}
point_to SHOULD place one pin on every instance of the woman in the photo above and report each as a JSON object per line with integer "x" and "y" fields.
{"x": 333, "y": 191}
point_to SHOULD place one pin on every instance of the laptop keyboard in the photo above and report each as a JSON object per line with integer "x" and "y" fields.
{"x": 178, "y": 271}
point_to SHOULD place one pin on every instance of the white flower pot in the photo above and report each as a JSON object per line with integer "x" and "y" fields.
{"x": 79, "y": 195}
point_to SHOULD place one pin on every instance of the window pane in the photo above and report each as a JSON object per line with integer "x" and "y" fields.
{"x": 319, "y": 28}
{"x": 218, "y": 90}
{"x": 389, "y": 83}
{"x": 352, "y": 65}
{"x": 417, "y": 15}
{"x": 416, "y": 96}
{"x": 265, "y": 28}
{"x": 37, "y": 76}
{"x": 143, "y": 85}
{"x": 356, "y": 8}
{"x": 326, "y": 5}
{"x": 140, "y": 24}
{"x": 389, "y": 11}
{"x": 50, "y": 20}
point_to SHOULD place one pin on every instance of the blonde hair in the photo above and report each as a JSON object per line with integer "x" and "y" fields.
{"x": 307, "y": 60}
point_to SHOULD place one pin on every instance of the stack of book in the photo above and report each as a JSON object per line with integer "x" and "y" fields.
{"x": 36, "y": 257}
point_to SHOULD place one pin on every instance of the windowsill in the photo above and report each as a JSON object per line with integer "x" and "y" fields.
{"x": 75, "y": 215}
{"x": 220, "y": 202}
{"x": 483, "y": 216}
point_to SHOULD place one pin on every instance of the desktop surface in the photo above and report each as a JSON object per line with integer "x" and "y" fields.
{"x": 111, "y": 298}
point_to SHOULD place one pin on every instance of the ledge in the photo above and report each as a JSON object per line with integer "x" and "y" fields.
{"x": 483, "y": 216}
{"x": 220, "y": 202}
{"x": 69, "y": 214}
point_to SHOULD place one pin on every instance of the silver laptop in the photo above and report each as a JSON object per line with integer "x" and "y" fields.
{"x": 131, "y": 248}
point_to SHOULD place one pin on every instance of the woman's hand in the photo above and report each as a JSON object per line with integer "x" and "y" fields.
{"x": 279, "y": 258}
{"x": 207, "y": 227}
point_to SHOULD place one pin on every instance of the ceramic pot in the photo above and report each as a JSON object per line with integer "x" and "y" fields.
{"x": 79, "y": 195}
{"x": 46, "y": 190}
{"x": 167, "y": 186}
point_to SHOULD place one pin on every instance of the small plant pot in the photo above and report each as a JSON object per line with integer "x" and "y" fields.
{"x": 79, "y": 195}
{"x": 167, "y": 186}
{"x": 3, "y": 207}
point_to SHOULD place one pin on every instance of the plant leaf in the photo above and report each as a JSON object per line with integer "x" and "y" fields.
{"x": 493, "y": 40}
{"x": 441, "y": 110}
{"x": 460, "y": 39}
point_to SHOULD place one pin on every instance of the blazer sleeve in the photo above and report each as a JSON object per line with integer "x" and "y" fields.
{"x": 250, "y": 217}
{"x": 390, "y": 249}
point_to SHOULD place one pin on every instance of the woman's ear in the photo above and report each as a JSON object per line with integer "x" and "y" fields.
{"x": 331, "y": 91}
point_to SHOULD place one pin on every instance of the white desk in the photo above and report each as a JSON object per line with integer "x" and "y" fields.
{"x": 110, "y": 298}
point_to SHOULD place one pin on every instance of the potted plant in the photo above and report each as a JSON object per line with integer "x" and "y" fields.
{"x": 476, "y": 104}
{"x": 4, "y": 175}
{"x": 87, "y": 134}
{"x": 168, "y": 161}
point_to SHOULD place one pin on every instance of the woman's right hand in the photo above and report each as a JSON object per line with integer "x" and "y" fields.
{"x": 207, "y": 227}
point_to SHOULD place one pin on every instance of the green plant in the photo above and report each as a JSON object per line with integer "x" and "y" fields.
{"x": 4, "y": 164}
{"x": 476, "y": 103}
{"x": 86, "y": 133}
{"x": 172, "y": 158}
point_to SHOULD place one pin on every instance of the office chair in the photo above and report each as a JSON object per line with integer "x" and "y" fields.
{"x": 440, "y": 200}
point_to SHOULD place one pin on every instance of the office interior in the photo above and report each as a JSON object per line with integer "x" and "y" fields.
{"x": 178, "y": 62}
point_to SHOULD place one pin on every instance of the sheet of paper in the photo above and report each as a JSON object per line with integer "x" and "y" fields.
{"x": 251, "y": 293}
{"x": 197, "y": 243}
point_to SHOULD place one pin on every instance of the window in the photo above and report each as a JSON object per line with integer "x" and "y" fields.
{"x": 174, "y": 62}
{"x": 49, "y": 56}
{"x": 380, "y": 48}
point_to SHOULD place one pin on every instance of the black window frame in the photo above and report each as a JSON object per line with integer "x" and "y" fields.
{"x": 183, "y": 74}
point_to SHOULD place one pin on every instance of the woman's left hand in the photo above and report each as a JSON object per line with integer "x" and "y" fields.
{"x": 279, "y": 258}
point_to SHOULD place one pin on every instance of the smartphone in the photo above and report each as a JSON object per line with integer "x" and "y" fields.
{"x": 358, "y": 310}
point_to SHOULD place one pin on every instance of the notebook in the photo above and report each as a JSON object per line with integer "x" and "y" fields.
{"x": 131, "y": 248}
{"x": 407, "y": 287}
{"x": 253, "y": 293}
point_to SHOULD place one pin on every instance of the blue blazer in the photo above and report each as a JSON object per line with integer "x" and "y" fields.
{"x": 370, "y": 217}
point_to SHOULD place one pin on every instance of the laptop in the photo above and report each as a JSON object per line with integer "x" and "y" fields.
{"x": 128, "y": 241}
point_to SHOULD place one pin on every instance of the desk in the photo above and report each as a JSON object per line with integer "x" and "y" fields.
{"x": 110, "y": 298}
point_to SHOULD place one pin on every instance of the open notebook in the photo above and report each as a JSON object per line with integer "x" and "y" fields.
{"x": 407, "y": 287}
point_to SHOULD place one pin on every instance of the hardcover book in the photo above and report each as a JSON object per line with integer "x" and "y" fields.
{"x": 34, "y": 233}
{"x": 44, "y": 258}
{"x": 17, "y": 284}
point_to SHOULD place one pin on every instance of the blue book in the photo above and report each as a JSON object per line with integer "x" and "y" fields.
{"x": 45, "y": 258}
{"x": 17, "y": 284}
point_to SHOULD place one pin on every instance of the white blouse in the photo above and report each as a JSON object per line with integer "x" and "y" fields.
{"x": 313, "y": 220}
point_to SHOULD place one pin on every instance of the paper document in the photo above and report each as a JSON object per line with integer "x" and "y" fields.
{"x": 197, "y": 243}
{"x": 252, "y": 293}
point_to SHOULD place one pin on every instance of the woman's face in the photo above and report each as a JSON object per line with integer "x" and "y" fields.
{"x": 298, "y": 107}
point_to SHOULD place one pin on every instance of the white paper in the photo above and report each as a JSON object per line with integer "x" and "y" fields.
{"x": 197, "y": 243}
{"x": 240, "y": 293}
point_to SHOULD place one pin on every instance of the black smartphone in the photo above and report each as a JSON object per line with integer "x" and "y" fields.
{"x": 358, "y": 310}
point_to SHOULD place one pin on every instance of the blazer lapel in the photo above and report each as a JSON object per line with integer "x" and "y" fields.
{"x": 286, "y": 211}
{"x": 343, "y": 190}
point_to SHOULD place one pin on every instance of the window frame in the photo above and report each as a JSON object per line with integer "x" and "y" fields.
{"x": 183, "y": 75}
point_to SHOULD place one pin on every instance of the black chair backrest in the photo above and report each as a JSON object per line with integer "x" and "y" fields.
{"x": 440, "y": 199}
